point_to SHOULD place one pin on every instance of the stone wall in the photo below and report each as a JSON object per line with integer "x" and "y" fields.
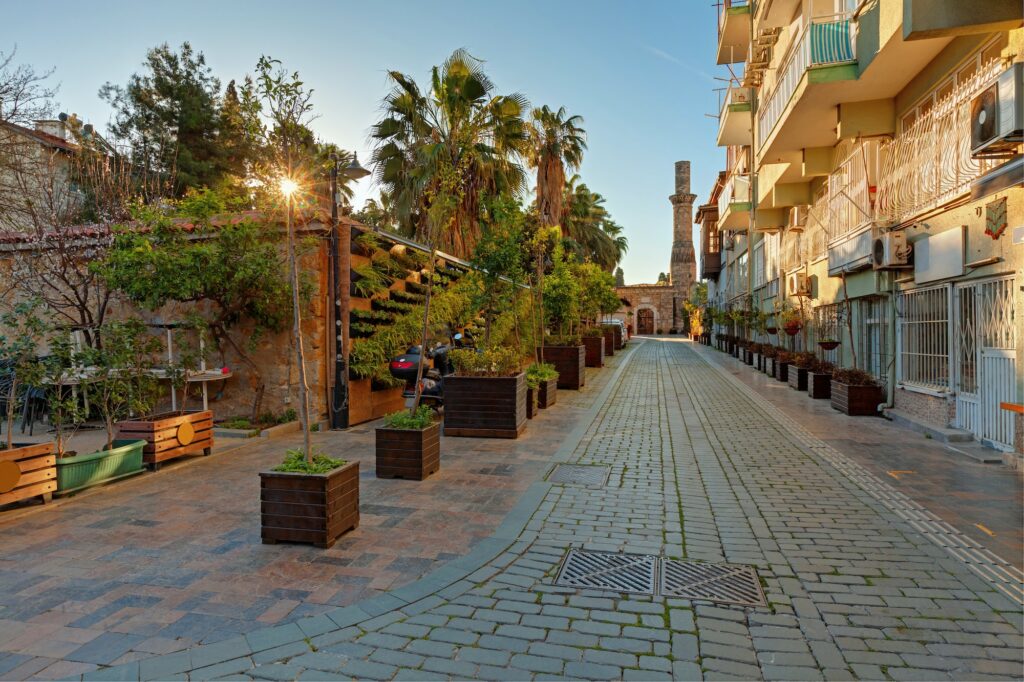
{"x": 641, "y": 296}
{"x": 930, "y": 409}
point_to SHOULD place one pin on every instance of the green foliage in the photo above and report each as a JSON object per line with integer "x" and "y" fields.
{"x": 542, "y": 371}
{"x": 370, "y": 282}
{"x": 562, "y": 294}
{"x": 423, "y": 418}
{"x": 620, "y": 278}
{"x": 597, "y": 291}
{"x": 66, "y": 411}
{"x": 295, "y": 462}
{"x": 492, "y": 362}
{"x": 24, "y": 329}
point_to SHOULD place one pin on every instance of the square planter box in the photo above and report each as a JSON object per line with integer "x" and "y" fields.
{"x": 27, "y": 471}
{"x": 798, "y": 378}
{"x": 856, "y": 401}
{"x": 819, "y": 386}
{"x": 315, "y": 509}
{"x": 485, "y": 407}
{"x": 759, "y": 362}
{"x": 412, "y": 454}
{"x": 547, "y": 393}
{"x": 170, "y": 435}
{"x": 617, "y": 334}
{"x": 782, "y": 371}
{"x": 771, "y": 367}
{"x": 609, "y": 341}
{"x": 594, "y": 353}
{"x": 570, "y": 362}
{"x": 748, "y": 357}
{"x": 532, "y": 408}
{"x": 79, "y": 472}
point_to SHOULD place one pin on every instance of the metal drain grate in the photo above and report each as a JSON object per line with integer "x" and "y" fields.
{"x": 608, "y": 571}
{"x": 724, "y": 583}
{"x": 579, "y": 474}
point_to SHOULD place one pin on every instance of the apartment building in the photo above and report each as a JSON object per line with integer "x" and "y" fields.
{"x": 874, "y": 180}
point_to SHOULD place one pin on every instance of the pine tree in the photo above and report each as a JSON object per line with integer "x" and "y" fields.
{"x": 620, "y": 277}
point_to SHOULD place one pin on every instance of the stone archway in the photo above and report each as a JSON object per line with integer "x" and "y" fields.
{"x": 645, "y": 321}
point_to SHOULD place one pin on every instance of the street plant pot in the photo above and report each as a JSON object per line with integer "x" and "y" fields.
{"x": 856, "y": 401}
{"x": 485, "y": 407}
{"x": 170, "y": 435}
{"x": 748, "y": 357}
{"x": 772, "y": 330}
{"x": 594, "y": 351}
{"x": 569, "y": 361}
{"x": 547, "y": 393}
{"x": 782, "y": 371}
{"x": 412, "y": 454}
{"x": 79, "y": 472}
{"x": 829, "y": 345}
{"x": 792, "y": 328}
{"x": 27, "y": 471}
{"x": 819, "y": 386}
{"x": 531, "y": 402}
{"x": 619, "y": 341}
{"x": 798, "y": 378}
{"x": 314, "y": 509}
{"x": 609, "y": 340}
{"x": 770, "y": 367}
{"x": 759, "y": 362}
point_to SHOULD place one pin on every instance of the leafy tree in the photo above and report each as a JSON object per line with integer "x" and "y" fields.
{"x": 562, "y": 294}
{"x": 620, "y": 277}
{"x": 169, "y": 115}
{"x": 60, "y": 366}
{"x": 588, "y": 227}
{"x": 556, "y": 145}
{"x": 597, "y": 293}
{"x": 498, "y": 258}
{"x": 18, "y": 358}
{"x": 662, "y": 278}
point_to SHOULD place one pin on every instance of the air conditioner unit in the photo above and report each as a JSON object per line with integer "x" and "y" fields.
{"x": 798, "y": 218}
{"x": 890, "y": 250}
{"x": 997, "y": 114}
{"x": 798, "y": 284}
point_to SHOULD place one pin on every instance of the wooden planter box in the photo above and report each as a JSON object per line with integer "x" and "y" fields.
{"x": 365, "y": 404}
{"x": 532, "y": 408}
{"x": 594, "y": 351}
{"x": 782, "y": 371}
{"x": 408, "y": 453}
{"x": 547, "y": 394}
{"x": 79, "y": 472}
{"x": 170, "y": 435}
{"x": 570, "y": 362}
{"x": 748, "y": 357}
{"x": 617, "y": 334}
{"x": 819, "y": 386}
{"x": 311, "y": 508}
{"x": 485, "y": 407}
{"x": 856, "y": 401}
{"x": 759, "y": 362}
{"x": 609, "y": 341}
{"x": 27, "y": 471}
{"x": 798, "y": 378}
{"x": 771, "y": 367}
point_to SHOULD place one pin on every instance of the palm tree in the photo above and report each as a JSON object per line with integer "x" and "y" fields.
{"x": 588, "y": 227}
{"x": 453, "y": 143}
{"x": 557, "y": 143}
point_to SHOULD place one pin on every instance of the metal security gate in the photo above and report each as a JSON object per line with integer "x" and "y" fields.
{"x": 985, "y": 358}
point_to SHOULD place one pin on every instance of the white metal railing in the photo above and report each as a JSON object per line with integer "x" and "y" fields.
{"x": 734, "y": 94}
{"x": 736, "y": 190}
{"x": 930, "y": 163}
{"x": 816, "y": 231}
{"x": 826, "y": 40}
{"x": 794, "y": 251}
{"x": 849, "y": 191}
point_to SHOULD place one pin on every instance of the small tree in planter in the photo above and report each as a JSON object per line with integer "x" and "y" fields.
{"x": 798, "y": 370}
{"x": 546, "y": 377}
{"x": 855, "y": 392}
{"x": 563, "y": 348}
{"x": 409, "y": 446}
{"x": 819, "y": 380}
{"x": 486, "y": 397}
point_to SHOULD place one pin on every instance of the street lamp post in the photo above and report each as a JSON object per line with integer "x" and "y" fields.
{"x": 341, "y": 274}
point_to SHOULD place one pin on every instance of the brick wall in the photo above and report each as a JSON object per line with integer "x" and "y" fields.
{"x": 927, "y": 408}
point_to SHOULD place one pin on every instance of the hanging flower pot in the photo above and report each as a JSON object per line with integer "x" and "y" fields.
{"x": 792, "y": 328}
{"x": 829, "y": 344}
{"x": 772, "y": 330}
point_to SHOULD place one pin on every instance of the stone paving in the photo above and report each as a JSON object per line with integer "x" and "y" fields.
{"x": 701, "y": 468}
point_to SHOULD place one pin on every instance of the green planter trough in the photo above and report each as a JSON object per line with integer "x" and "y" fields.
{"x": 78, "y": 472}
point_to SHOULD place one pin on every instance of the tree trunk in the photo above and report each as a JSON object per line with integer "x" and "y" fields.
{"x": 426, "y": 328}
{"x": 10, "y": 411}
{"x": 299, "y": 354}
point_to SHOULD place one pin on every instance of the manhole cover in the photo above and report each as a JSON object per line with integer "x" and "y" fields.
{"x": 608, "y": 571}
{"x": 579, "y": 474}
{"x": 725, "y": 583}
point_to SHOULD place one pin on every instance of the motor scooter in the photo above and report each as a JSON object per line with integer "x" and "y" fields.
{"x": 437, "y": 366}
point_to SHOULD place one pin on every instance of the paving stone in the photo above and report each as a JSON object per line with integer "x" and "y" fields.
{"x": 567, "y": 653}
{"x": 635, "y": 646}
{"x": 484, "y": 656}
{"x": 369, "y": 670}
{"x": 281, "y": 672}
{"x": 592, "y": 671}
{"x": 453, "y": 636}
{"x": 320, "y": 660}
{"x": 396, "y": 658}
{"x": 499, "y": 643}
{"x": 780, "y": 672}
{"x": 537, "y": 664}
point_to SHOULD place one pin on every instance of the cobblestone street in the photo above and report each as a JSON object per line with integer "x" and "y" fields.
{"x": 858, "y": 582}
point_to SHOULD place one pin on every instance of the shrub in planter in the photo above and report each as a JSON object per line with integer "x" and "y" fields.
{"x": 782, "y": 362}
{"x": 798, "y": 369}
{"x": 609, "y": 338}
{"x": 855, "y": 392}
{"x": 314, "y": 502}
{"x": 819, "y": 380}
{"x": 593, "y": 344}
{"x": 546, "y": 377}
{"x": 486, "y": 397}
{"x": 409, "y": 446}
{"x": 568, "y": 356}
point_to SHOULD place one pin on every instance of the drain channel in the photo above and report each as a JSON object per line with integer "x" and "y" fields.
{"x": 579, "y": 474}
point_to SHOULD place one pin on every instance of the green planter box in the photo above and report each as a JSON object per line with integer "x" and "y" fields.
{"x": 79, "y": 472}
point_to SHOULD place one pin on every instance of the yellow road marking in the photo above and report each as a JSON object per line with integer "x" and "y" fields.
{"x": 984, "y": 530}
{"x": 896, "y": 474}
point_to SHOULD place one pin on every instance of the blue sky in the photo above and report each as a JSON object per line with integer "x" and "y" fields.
{"x": 639, "y": 72}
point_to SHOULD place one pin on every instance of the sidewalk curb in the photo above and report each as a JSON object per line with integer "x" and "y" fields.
{"x": 446, "y": 582}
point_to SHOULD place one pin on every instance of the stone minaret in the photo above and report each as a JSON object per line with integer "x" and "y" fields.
{"x": 684, "y": 262}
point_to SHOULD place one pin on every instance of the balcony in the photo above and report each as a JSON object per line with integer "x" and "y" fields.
{"x": 735, "y": 126}
{"x": 821, "y": 56}
{"x": 734, "y": 203}
{"x": 733, "y": 31}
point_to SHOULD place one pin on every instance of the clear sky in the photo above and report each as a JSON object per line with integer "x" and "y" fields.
{"x": 638, "y": 71}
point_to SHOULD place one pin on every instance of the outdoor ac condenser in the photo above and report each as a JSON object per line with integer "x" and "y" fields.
{"x": 997, "y": 115}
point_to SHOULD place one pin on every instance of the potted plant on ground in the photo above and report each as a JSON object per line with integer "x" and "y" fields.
{"x": 819, "y": 380}
{"x": 26, "y": 471}
{"x": 609, "y": 331}
{"x": 409, "y": 446}
{"x": 593, "y": 344}
{"x": 756, "y": 349}
{"x": 563, "y": 347}
{"x": 532, "y": 399}
{"x": 546, "y": 377}
{"x": 597, "y": 288}
{"x": 855, "y": 392}
{"x": 769, "y": 352}
{"x": 782, "y": 361}
{"x": 486, "y": 397}
{"x": 798, "y": 369}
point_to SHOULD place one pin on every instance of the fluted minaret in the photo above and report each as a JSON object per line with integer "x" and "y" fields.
{"x": 684, "y": 262}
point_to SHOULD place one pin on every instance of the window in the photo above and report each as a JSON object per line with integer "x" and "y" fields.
{"x": 873, "y": 352}
{"x": 759, "y": 279}
{"x": 923, "y": 338}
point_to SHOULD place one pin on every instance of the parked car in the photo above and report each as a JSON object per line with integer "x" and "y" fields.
{"x": 620, "y": 324}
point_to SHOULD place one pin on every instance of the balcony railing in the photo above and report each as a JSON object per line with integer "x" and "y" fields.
{"x": 724, "y": 10}
{"x": 826, "y": 40}
{"x": 930, "y": 163}
{"x": 849, "y": 191}
{"x": 736, "y": 190}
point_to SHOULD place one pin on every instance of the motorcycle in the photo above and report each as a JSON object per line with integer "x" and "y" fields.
{"x": 436, "y": 367}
